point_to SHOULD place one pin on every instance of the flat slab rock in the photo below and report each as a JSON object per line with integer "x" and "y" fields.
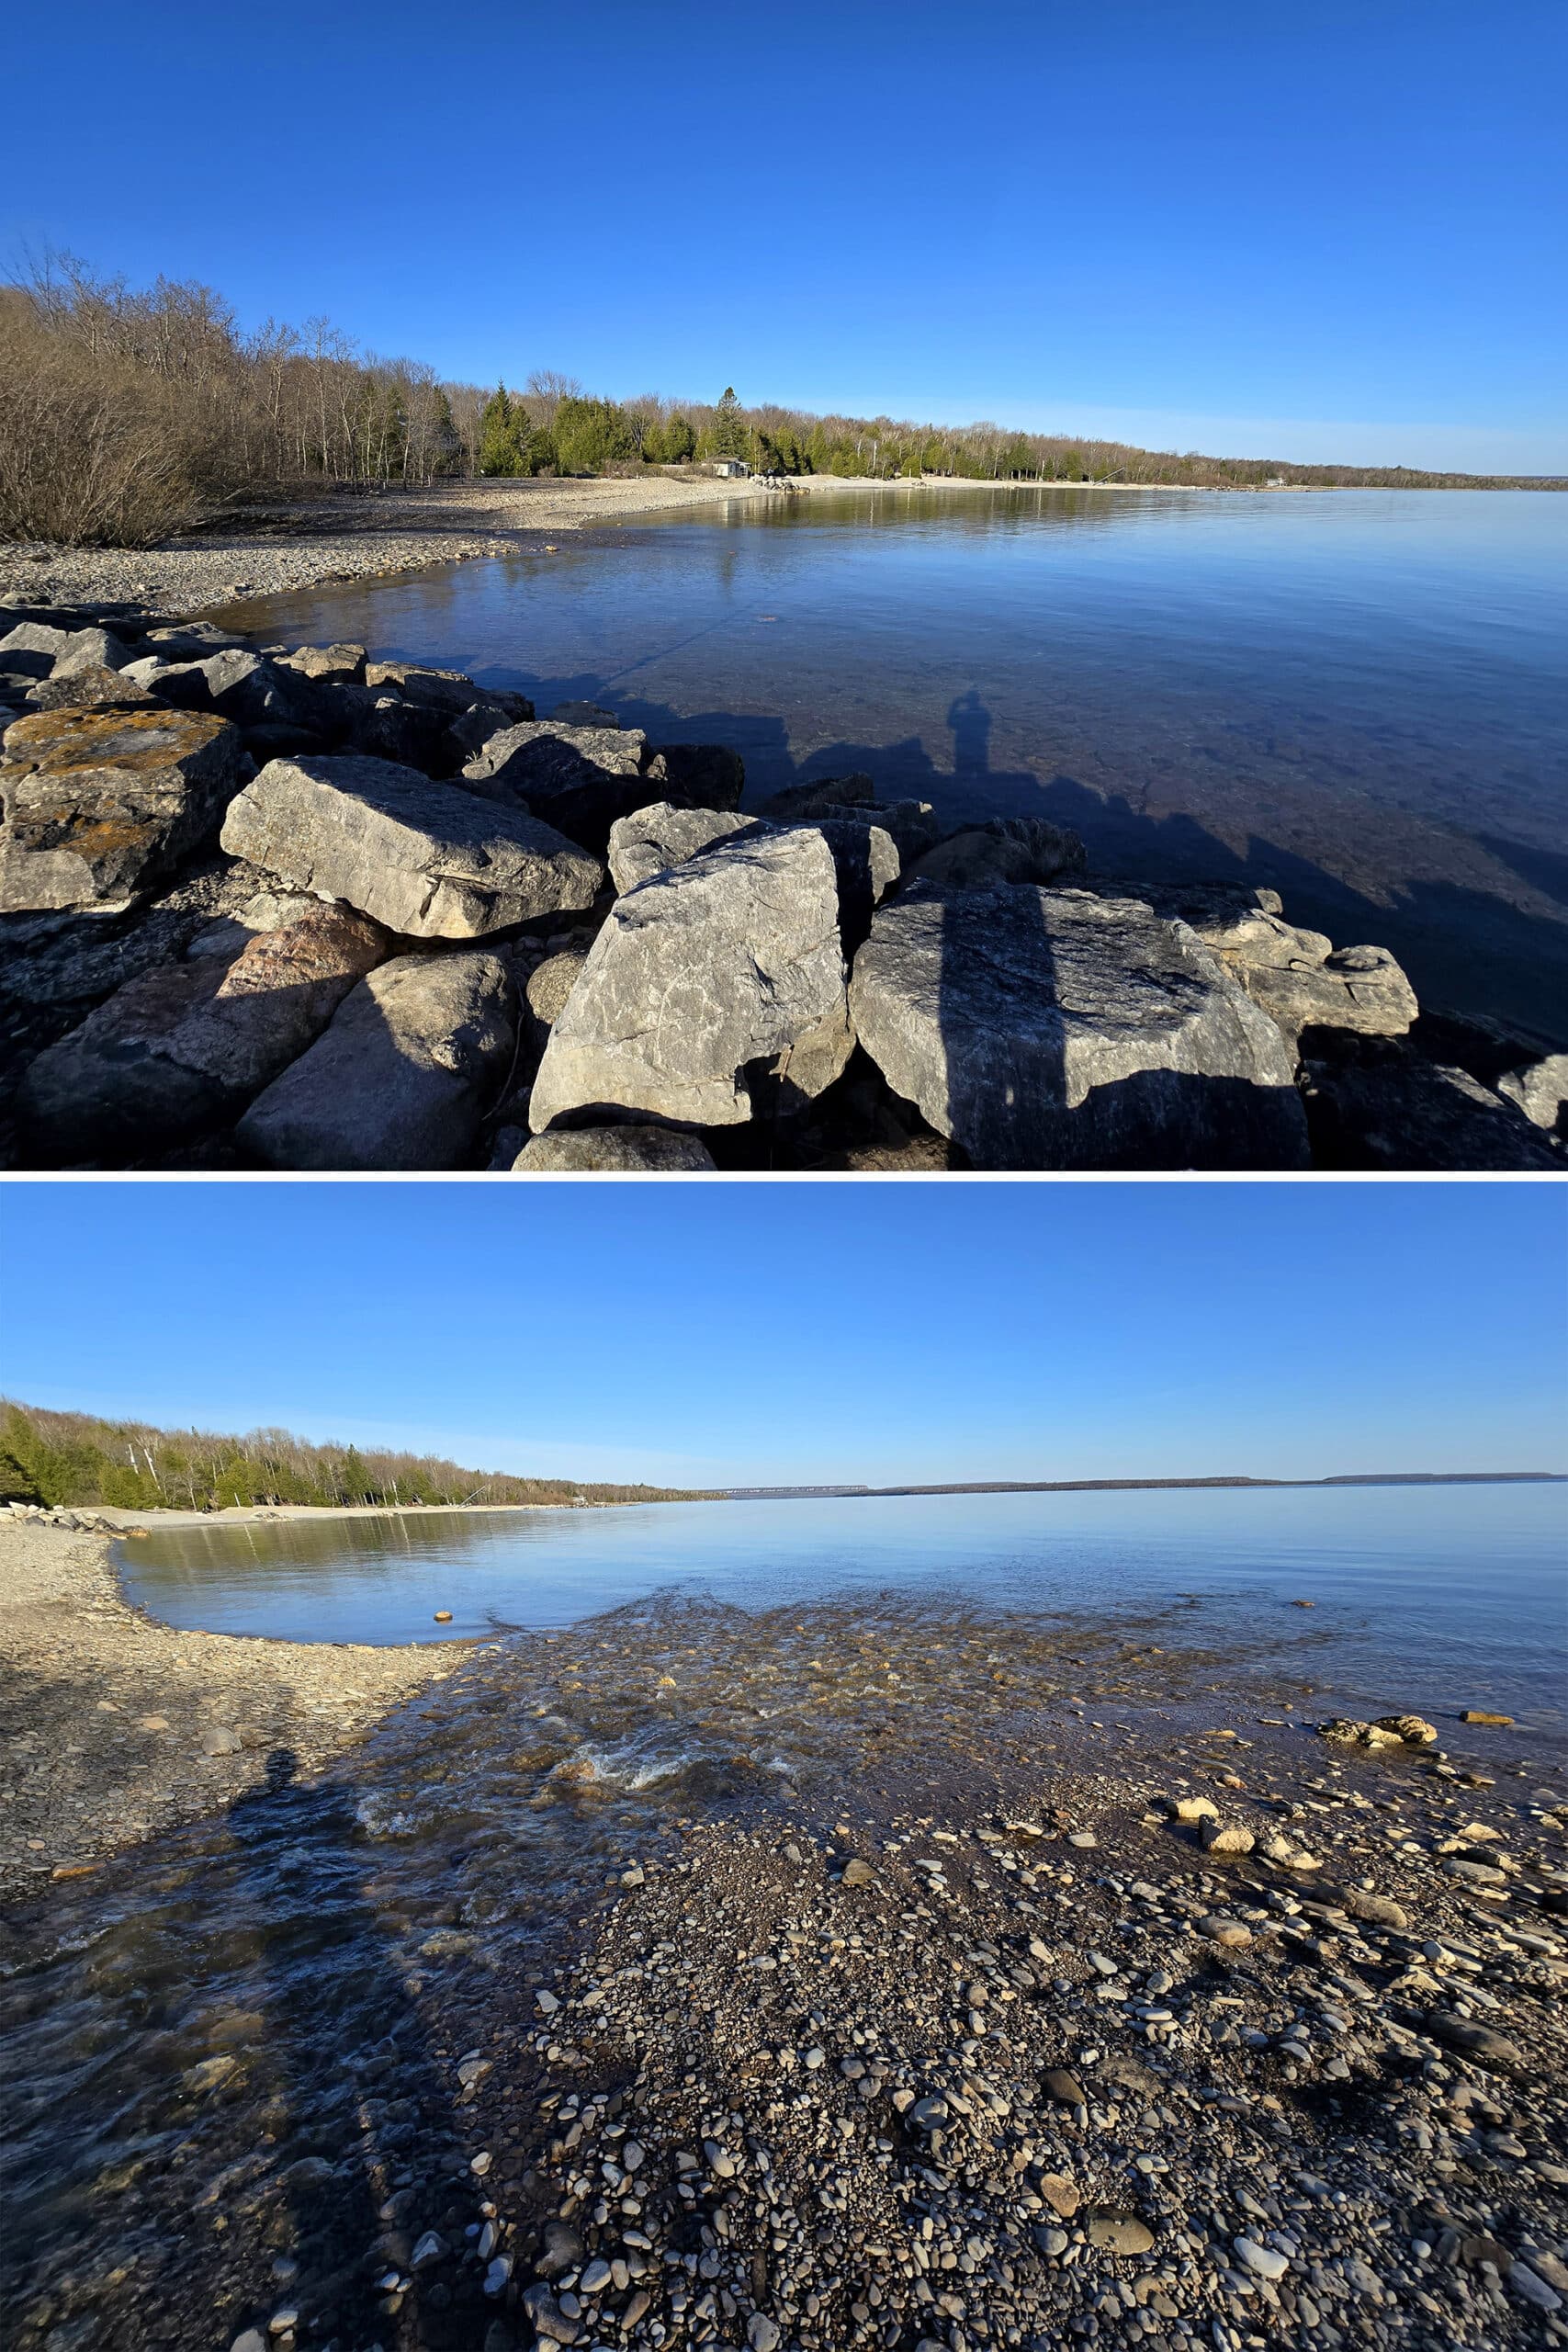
{"x": 429, "y": 860}
{"x": 402, "y": 1077}
{"x": 186, "y": 1045}
{"x": 702, "y": 981}
{"x": 1045, "y": 1029}
{"x": 98, "y": 802}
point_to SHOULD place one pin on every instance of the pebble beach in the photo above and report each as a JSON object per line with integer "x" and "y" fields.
{"x": 817, "y": 1978}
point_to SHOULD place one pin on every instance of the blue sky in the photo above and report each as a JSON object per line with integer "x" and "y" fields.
{"x": 1332, "y": 230}
{"x": 813, "y": 1332}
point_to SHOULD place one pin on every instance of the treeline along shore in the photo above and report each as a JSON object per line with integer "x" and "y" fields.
{"x": 128, "y": 414}
{"x": 76, "y": 1461}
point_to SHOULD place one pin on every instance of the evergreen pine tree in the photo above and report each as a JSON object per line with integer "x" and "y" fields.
{"x": 498, "y": 442}
{"x": 730, "y": 434}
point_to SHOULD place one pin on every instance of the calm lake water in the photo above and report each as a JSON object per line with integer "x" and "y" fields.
{"x": 1446, "y": 1598}
{"x": 1358, "y": 697}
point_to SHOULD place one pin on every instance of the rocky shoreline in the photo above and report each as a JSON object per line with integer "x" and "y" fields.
{"x": 119, "y": 1728}
{"x": 287, "y": 908}
{"x": 1069, "y": 1993}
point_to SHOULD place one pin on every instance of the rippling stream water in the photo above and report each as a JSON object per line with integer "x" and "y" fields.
{"x": 1357, "y": 697}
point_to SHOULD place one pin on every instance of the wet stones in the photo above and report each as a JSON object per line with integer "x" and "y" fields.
{"x": 704, "y": 983}
{"x": 100, "y": 801}
{"x": 401, "y": 1078}
{"x": 427, "y": 860}
{"x": 1055, "y": 1029}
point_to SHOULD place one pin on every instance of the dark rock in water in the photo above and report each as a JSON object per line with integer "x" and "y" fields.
{"x": 1394, "y": 1111}
{"x": 444, "y": 690}
{"x": 628, "y": 1150}
{"x": 702, "y": 981}
{"x": 425, "y": 859}
{"x": 697, "y": 775}
{"x": 402, "y": 1077}
{"x": 184, "y": 1046}
{"x": 579, "y": 779}
{"x": 1011, "y": 849}
{"x": 820, "y": 800}
{"x": 83, "y": 688}
{"x": 653, "y": 839}
{"x": 1055, "y": 1029}
{"x": 98, "y": 802}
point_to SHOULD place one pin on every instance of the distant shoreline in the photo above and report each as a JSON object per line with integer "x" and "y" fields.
{"x": 294, "y": 548}
{"x": 261, "y": 1513}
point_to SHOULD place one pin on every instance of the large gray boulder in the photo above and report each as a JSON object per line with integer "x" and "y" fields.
{"x": 702, "y": 981}
{"x": 100, "y": 801}
{"x": 426, "y": 859}
{"x": 1009, "y": 849}
{"x": 612, "y": 1151}
{"x": 1045, "y": 1029}
{"x": 1540, "y": 1090}
{"x": 652, "y": 839}
{"x": 82, "y": 685}
{"x": 403, "y": 1075}
{"x": 1394, "y": 1113}
{"x": 186, "y": 1045}
{"x": 32, "y": 647}
{"x": 90, "y": 648}
{"x": 577, "y": 779}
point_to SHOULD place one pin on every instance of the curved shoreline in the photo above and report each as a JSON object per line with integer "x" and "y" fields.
{"x": 330, "y": 541}
{"x": 105, "y": 1710}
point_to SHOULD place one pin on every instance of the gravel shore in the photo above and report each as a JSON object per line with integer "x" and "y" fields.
{"x": 118, "y": 1728}
{"x": 696, "y": 1979}
{"x": 269, "y": 552}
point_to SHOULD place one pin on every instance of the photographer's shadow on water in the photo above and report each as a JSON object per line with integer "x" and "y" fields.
{"x": 405, "y": 953}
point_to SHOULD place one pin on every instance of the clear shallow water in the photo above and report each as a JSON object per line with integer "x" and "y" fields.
{"x": 1357, "y": 697}
{"x": 1444, "y": 1598}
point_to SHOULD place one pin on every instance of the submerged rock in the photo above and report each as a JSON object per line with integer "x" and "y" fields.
{"x": 1055, "y": 1029}
{"x": 98, "y": 802}
{"x": 401, "y": 1078}
{"x": 702, "y": 981}
{"x": 426, "y": 859}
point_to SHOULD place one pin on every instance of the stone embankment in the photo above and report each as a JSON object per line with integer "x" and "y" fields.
{"x": 296, "y": 909}
{"x": 117, "y": 1727}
